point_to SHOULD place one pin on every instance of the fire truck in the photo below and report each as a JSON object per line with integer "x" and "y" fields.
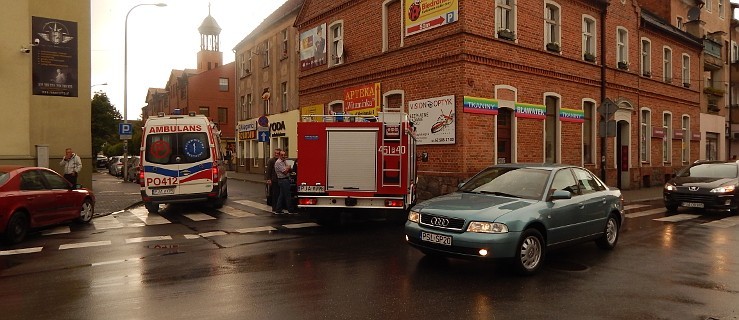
{"x": 356, "y": 166}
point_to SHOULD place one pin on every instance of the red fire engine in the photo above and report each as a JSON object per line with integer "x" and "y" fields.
{"x": 358, "y": 165}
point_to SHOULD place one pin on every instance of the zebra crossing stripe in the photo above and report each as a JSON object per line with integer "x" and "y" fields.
{"x": 231, "y": 211}
{"x": 20, "y": 251}
{"x": 198, "y": 216}
{"x": 646, "y": 213}
{"x": 145, "y": 239}
{"x": 147, "y": 218}
{"x": 634, "y": 206}
{"x": 107, "y": 222}
{"x": 212, "y": 234}
{"x": 84, "y": 245}
{"x": 678, "y": 217}
{"x": 57, "y": 230}
{"x": 257, "y": 229}
{"x": 253, "y": 204}
{"x": 300, "y": 225}
{"x": 191, "y": 236}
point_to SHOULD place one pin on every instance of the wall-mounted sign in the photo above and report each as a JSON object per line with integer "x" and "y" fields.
{"x": 531, "y": 111}
{"x": 55, "y": 69}
{"x": 571, "y": 115}
{"x": 658, "y": 132}
{"x": 246, "y": 126}
{"x": 248, "y": 135}
{"x": 696, "y": 136}
{"x": 479, "y": 105}
{"x": 422, "y": 15}
{"x": 313, "y": 47}
{"x": 306, "y": 113}
{"x": 678, "y": 134}
{"x": 362, "y": 100}
{"x": 434, "y": 120}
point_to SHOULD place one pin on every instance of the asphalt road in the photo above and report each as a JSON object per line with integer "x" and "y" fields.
{"x": 241, "y": 262}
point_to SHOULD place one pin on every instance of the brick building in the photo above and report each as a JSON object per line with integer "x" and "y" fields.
{"x": 517, "y": 81}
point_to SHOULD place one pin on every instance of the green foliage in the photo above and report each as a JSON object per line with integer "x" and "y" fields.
{"x": 104, "y": 126}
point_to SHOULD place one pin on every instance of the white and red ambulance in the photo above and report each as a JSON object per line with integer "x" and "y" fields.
{"x": 181, "y": 161}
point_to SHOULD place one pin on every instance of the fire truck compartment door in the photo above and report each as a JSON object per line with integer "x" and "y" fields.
{"x": 352, "y": 160}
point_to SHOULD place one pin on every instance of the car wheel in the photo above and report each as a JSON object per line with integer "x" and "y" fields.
{"x": 151, "y": 207}
{"x": 17, "y": 227}
{"x": 671, "y": 207}
{"x": 86, "y": 212}
{"x": 529, "y": 252}
{"x": 610, "y": 234}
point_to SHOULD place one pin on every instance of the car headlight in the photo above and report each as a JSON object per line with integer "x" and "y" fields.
{"x": 487, "y": 227}
{"x": 414, "y": 216}
{"x": 670, "y": 187}
{"x": 724, "y": 189}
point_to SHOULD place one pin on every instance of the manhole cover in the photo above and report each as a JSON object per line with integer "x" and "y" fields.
{"x": 567, "y": 266}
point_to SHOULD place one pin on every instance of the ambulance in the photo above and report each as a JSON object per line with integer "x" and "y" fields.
{"x": 181, "y": 161}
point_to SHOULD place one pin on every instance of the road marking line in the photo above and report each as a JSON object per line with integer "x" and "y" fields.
{"x": 20, "y": 251}
{"x": 147, "y": 218}
{"x": 57, "y": 230}
{"x": 198, "y": 216}
{"x": 720, "y": 224}
{"x": 257, "y": 205}
{"x": 84, "y": 245}
{"x": 231, "y": 211}
{"x": 213, "y": 234}
{"x": 645, "y": 213}
{"x": 301, "y": 225}
{"x": 144, "y": 239}
{"x": 191, "y": 236}
{"x": 634, "y": 206}
{"x": 107, "y": 222}
{"x": 97, "y": 264}
{"x": 256, "y": 229}
{"x": 678, "y": 217}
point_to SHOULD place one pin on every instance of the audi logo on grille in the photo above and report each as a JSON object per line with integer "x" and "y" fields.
{"x": 693, "y": 188}
{"x": 442, "y": 222}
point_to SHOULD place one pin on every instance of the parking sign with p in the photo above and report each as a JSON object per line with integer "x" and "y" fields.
{"x": 125, "y": 130}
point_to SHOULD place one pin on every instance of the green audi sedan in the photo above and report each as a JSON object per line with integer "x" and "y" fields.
{"x": 518, "y": 212}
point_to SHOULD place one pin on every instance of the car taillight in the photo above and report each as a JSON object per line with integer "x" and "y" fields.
{"x": 141, "y": 176}
{"x": 307, "y": 201}
{"x": 214, "y": 170}
{"x": 394, "y": 203}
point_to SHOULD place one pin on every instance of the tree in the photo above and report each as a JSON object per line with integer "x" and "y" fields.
{"x": 105, "y": 119}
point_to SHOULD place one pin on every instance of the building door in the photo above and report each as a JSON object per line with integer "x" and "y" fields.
{"x": 503, "y": 133}
{"x": 711, "y": 146}
{"x": 623, "y": 152}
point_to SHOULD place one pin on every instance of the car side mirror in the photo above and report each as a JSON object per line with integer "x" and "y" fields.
{"x": 77, "y": 186}
{"x": 561, "y": 194}
{"x": 459, "y": 186}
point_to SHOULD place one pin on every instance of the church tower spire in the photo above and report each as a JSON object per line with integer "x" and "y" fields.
{"x": 209, "y": 56}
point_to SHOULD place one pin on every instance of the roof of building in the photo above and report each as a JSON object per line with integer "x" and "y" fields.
{"x": 650, "y": 19}
{"x": 283, "y": 11}
{"x": 209, "y": 25}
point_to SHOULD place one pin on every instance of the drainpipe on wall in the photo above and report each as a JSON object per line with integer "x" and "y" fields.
{"x": 603, "y": 82}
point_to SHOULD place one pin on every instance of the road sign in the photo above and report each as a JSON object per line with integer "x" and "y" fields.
{"x": 125, "y": 130}
{"x": 607, "y": 128}
{"x": 607, "y": 108}
{"x": 263, "y": 121}
{"x": 262, "y": 134}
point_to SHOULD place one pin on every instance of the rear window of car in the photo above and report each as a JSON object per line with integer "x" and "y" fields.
{"x": 711, "y": 170}
{"x": 4, "y": 176}
{"x": 176, "y": 148}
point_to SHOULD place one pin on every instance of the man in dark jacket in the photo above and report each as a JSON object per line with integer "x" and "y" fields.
{"x": 270, "y": 177}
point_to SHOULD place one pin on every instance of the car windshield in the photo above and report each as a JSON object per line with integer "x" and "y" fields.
{"x": 710, "y": 170}
{"x": 523, "y": 183}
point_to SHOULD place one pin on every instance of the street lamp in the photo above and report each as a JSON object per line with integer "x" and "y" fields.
{"x": 125, "y": 83}
{"x": 99, "y": 84}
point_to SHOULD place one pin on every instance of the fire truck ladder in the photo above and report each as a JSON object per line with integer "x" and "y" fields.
{"x": 391, "y": 118}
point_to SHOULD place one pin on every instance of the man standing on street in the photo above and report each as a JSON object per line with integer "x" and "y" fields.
{"x": 270, "y": 177}
{"x": 72, "y": 166}
{"x": 283, "y": 199}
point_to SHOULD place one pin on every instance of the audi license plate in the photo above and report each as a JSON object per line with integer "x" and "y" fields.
{"x": 436, "y": 238}
{"x": 692, "y": 204}
{"x": 311, "y": 188}
{"x": 155, "y": 192}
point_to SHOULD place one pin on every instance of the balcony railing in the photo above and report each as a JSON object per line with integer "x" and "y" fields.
{"x": 712, "y": 47}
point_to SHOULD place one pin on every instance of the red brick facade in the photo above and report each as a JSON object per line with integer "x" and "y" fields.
{"x": 465, "y": 58}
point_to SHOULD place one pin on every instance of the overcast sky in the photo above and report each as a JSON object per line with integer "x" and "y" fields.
{"x": 161, "y": 39}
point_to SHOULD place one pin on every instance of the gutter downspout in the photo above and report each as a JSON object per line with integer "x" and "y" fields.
{"x": 603, "y": 82}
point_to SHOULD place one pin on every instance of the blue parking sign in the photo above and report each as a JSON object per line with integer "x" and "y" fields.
{"x": 125, "y": 130}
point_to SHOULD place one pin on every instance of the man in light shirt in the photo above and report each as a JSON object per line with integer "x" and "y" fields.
{"x": 72, "y": 165}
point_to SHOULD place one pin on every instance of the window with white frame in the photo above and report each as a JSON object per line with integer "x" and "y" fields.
{"x": 622, "y": 46}
{"x": 686, "y": 69}
{"x": 283, "y": 96}
{"x": 667, "y": 139}
{"x": 223, "y": 84}
{"x": 242, "y": 63}
{"x": 242, "y": 108}
{"x": 254, "y": 153}
{"x": 720, "y": 9}
{"x": 248, "y": 63}
{"x": 552, "y": 23}
{"x": 336, "y": 43}
{"x": 284, "y": 35}
{"x": 265, "y": 104}
{"x": 588, "y": 37}
{"x": 734, "y": 52}
{"x": 686, "y": 139}
{"x": 588, "y": 132}
{"x": 708, "y": 5}
{"x": 265, "y": 53}
{"x": 667, "y": 64}
{"x": 551, "y": 147}
{"x": 645, "y": 135}
{"x": 249, "y": 106}
{"x": 505, "y": 16}
{"x": 646, "y": 57}
{"x": 679, "y": 23}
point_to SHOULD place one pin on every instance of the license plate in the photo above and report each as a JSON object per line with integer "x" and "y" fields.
{"x": 311, "y": 188}
{"x": 155, "y": 192}
{"x": 692, "y": 204}
{"x": 436, "y": 238}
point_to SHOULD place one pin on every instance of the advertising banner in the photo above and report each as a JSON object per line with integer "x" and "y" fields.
{"x": 571, "y": 115}
{"x": 422, "y": 15}
{"x": 433, "y": 119}
{"x": 306, "y": 112}
{"x": 480, "y": 105}
{"x": 313, "y": 47}
{"x": 55, "y": 67}
{"x": 531, "y": 111}
{"x": 362, "y": 100}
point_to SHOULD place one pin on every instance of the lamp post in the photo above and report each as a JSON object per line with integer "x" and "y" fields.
{"x": 125, "y": 82}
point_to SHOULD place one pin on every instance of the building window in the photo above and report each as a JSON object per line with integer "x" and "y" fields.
{"x": 645, "y": 135}
{"x": 204, "y": 111}
{"x": 551, "y": 151}
{"x": 505, "y": 19}
{"x": 223, "y": 84}
{"x": 734, "y": 52}
{"x": 679, "y": 23}
{"x": 667, "y": 140}
{"x": 720, "y": 8}
{"x": 336, "y": 43}
{"x": 667, "y": 64}
{"x": 686, "y": 139}
{"x": 222, "y": 115}
{"x": 284, "y": 35}
{"x": 646, "y": 57}
{"x": 266, "y": 54}
{"x": 686, "y": 70}
{"x": 588, "y": 38}
{"x": 248, "y": 63}
{"x": 709, "y": 5}
{"x": 249, "y": 106}
{"x": 242, "y": 109}
{"x": 242, "y": 63}
{"x": 588, "y": 133}
{"x": 622, "y": 48}
{"x": 283, "y": 96}
{"x": 552, "y": 22}
{"x": 265, "y": 102}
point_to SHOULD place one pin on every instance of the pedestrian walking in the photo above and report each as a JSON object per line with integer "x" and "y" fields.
{"x": 71, "y": 165}
{"x": 229, "y": 157}
{"x": 270, "y": 178}
{"x": 282, "y": 170}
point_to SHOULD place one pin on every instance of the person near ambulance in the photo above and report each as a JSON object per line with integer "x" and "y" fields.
{"x": 270, "y": 177}
{"x": 282, "y": 170}
{"x": 71, "y": 165}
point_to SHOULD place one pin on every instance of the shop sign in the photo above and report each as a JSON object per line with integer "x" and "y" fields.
{"x": 678, "y": 134}
{"x": 362, "y": 100}
{"x": 571, "y": 115}
{"x": 433, "y": 119}
{"x": 531, "y": 111}
{"x": 479, "y": 105}
{"x": 658, "y": 132}
{"x": 306, "y": 113}
{"x": 422, "y": 15}
{"x": 696, "y": 136}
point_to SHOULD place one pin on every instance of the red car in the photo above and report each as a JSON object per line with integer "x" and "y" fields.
{"x": 33, "y": 197}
